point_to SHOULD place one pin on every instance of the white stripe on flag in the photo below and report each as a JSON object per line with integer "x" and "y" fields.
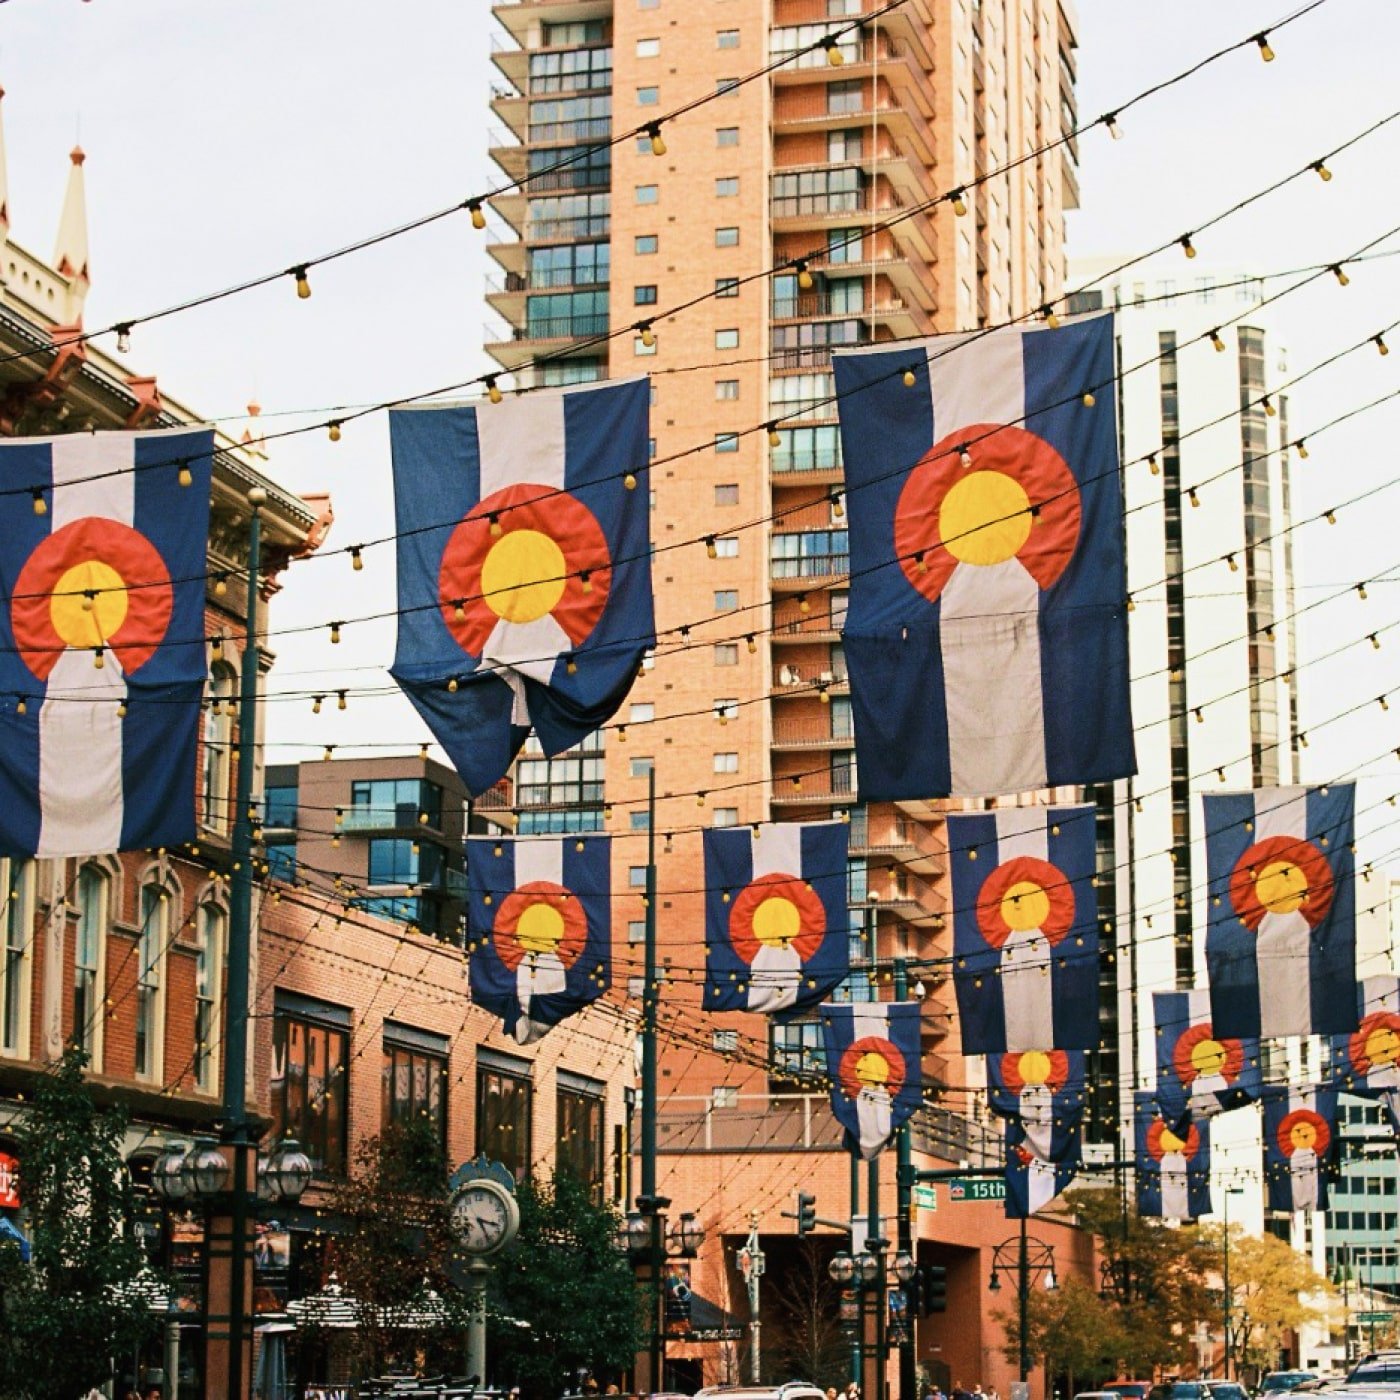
{"x": 80, "y": 733}
{"x": 776, "y": 973}
{"x": 1283, "y": 941}
{"x": 541, "y": 859}
{"x": 989, "y": 614}
{"x": 1021, "y": 831}
{"x": 777, "y": 849}
{"x": 540, "y": 974}
{"x": 1175, "y": 1195}
{"x": 1280, "y": 812}
{"x": 1197, "y": 1007}
{"x": 1026, "y": 988}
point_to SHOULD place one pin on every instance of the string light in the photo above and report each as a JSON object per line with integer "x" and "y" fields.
{"x": 630, "y": 481}
{"x": 1323, "y": 173}
{"x": 1330, "y": 517}
{"x": 711, "y": 549}
{"x": 1265, "y": 52}
{"x": 834, "y": 56}
{"x": 303, "y": 282}
{"x": 333, "y": 430}
{"x": 477, "y": 213}
{"x": 220, "y": 585}
{"x": 41, "y": 506}
{"x": 123, "y": 337}
{"x": 316, "y": 702}
{"x": 335, "y": 634}
{"x": 1088, "y": 399}
{"x": 1047, "y": 313}
{"x": 1233, "y": 563}
{"x": 647, "y": 334}
{"x": 910, "y": 378}
{"x": 1187, "y": 246}
{"x": 1380, "y": 344}
{"x": 775, "y": 438}
{"x": 340, "y": 701}
{"x": 804, "y": 275}
{"x": 1193, "y": 498}
{"x": 1361, "y": 591}
{"x": 1153, "y": 465}
{"x": 493, "y": 390}
{"x": 658, "y": 143}
{"x": 958, "y": 199}
{"x": 357, "y": 560}
{"x": 1110, "y": 121}
{"x": 1217, "y": 342}
{"x": 1301, "y": 447}
{"x": 1374, "y": 640}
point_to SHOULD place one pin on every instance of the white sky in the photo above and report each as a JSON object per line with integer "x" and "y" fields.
{"x": 227, "y": 139}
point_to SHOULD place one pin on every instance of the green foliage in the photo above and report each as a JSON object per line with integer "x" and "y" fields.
{"x": 72, "y": 1310}
{"x": 566, "y": 1279}
{"x": 1077, "y": 1333}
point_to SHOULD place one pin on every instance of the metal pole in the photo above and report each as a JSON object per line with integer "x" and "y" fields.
{"x": 1023, "y": 1290}
{"x": 904, "y": 1201}
{"x": 240, "y": 940}
{"x": 1225, "y": 1284}
{"x": 1346, "y": 1303}
{"x": 755, "y": 1248}
{"x": 650, "y": 999}
{"x": 477, "y": 1271}
{"x": 872, "y": 1225}
{"x": 857, "y": 1357}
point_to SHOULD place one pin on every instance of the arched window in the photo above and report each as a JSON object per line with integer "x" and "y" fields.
{"x": 218, "y": 745}
{"x": 90, "y": 962}
{"x": 16, "y": 943}
{"x": 150, "y": 978}
{"x": 208, "y": 996}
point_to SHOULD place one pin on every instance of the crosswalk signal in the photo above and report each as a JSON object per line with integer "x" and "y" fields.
{"x": 933, "y": 1289}
{"x": 806, "y": 1213}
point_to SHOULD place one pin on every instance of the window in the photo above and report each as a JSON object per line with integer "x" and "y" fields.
{"x": 727, "y": 493}
{"x": 578, "y": 1132}
{"x": 570, "y": 168}
{"x": 310, "y": 1078}
{"x": 393, "y": 802}
{"x": 568, "y": 216}
{"x": 726, "y": 599}
{"x": 848, "y": 96}
{"x": 726, "y": 136}
{"x": 644, "y": 295}
{"x": 648, "y": 96}
{"x": 726, "y": 442}
{"x": 725, "y": 1042}
{"x": 817, "y": 448}
{"x": 727, "y": 709}
{"x": 727, "y": 547}
{"x": 810, "y": 554}
{"x": 727, "y": 39}
{"x": 726, "y": 238}
{"x": 726, "y": 286}
{"x": 647, "y": 194}
{"x": 726, "y": 816}
{"x": 725, "y": 1096}
{"x": 727, "y": 187}
{"x": 573, "y": 778}
{"x": 637, "y": 931}
{"x": 208, "y": 996}
{"x": 648, "y": 4}
{"x": 639, "y": 821}
{"x": 640, "y": 767}
{"x": 14, "y": 970}
{"x": 640, "y": 347}
{"x": 280, "y": 807}
{"x": 571, "y": 118}
{"x": 393, "y": 861}
{"x": 726, "y": 653}
{"x": 218, "y": 745}
{"x": 637, "y": 877}
{"x": 648, "y": 48}
{"x": 503, "y": 1102}
{"x": 837, "y": 190}
{"x": 726, "y": 763}
{"x": 796, "y": 1050}
{"x": 641, "y": 711}
{"x": 728, "y": 87}
{"x": 415, "y": 1079}
{"x": 843, "y": 245}
{"x": 644, "y": 244}
{"x": 726, "y": 389}
{"x": 573, "y": 70}
{"x": 845, "y": 144}
{"x": 154, "y": 914}
{"x": 566, "y": 314}
{"x": 89, "y": 971}
{"x": 727, "y": 339}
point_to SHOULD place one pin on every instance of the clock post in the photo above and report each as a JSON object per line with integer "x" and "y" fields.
{"x": 485, "y": 1217}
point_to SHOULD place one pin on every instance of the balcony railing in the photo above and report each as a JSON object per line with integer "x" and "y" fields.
{"x": 582, "y": 129}
{"x": 790, "y": 677}
{"x": 799, "y": 734}
{"x": 402, "y": 817}
{"x": 812, "y": 566}
{"x": 582, "y": 226}
{"x": 555, "y": 328}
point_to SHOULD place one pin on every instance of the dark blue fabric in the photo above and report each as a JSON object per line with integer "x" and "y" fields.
{"x": 437, "y": 481}
{"x": 1074, "y": 964}
{"x": 1147, "y": 1110}
{"x": 1231, "y": 947}
{"x": 902, "y": 1030}
{"x": 729, "y": 868}
{"x": 1018, "y": 1170}
{"x": 490, "y": 878}
{"x": 1277, "y": 1169}
{"x": 1068, "y": 1103}
{"x": 892, "y": 631}
{"x": 1172, "y": 1017}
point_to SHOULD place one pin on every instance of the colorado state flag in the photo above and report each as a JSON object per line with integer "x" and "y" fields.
{"x": 777, "y": 926}
{"x": 1300, "y": 1146}
{"x": 1281, "y": 936}
{"x": 873, "y": 1061}
{"x": 1173, "y": 1164}
{"x": 1367, "y": 1062}
{"x": 102, "y": 654}
{"x": 1031, "y": 1181}
{"x": 1025, "y": 928}
{"x": 539, "y": 927}
{"x": 987, "y": 638}
{"x": 1042, "y": 1091}
{"x": 524, "y": 568}
{"x": 1199, "y": 1074}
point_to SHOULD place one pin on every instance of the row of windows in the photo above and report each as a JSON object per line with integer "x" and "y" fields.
{"x": 726, "y": 187}
{"x": 310, "y": 1100}
{"x": 570, "y": 265}
{"x": 573, "y": 70}
{"x": 1366, "y": 1186}
{"x": 1363, "y": 1220}
{"x": 651, "y": 48}
{"x": 650, "y": 95}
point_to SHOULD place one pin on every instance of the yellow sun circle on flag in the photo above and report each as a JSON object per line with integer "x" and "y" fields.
{"x": 1383, "y": 1046}
{"x": 1025, "y": 906}
{"x": 522, "y": 576}
{"x": 1303, "y": 1135}
{"x": 1034, "y": 1067}
{"x": 776, "y": 922}
{"x": 873, "y": 1069}
{"x": 88, "y": 626}
{"x": 541, "y": 929}
{"x": 1208, "y": 1056}
{"x": 985, "y": 518}
{"x": 1281, "y": 887}
{"x": 1171, "y": 1142}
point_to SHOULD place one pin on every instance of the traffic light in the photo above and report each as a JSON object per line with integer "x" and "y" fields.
{"x": 806, "y": 1213}
{"x": 933, "y": 1289}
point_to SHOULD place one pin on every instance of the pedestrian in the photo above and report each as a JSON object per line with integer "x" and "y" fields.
{"x": 831, "y": 1392}
{"x": 977, "y": 1392}
{"x": 961, "y": 1392}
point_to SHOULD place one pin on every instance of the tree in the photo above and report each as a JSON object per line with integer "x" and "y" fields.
{"x": 1273, "y": 1289}
{"x": 71, "y": 1310}
{"x": 573, "y": 1290}
{"x": 397, "y": 1246}
{"x": 1079, "y": 1334}
{"x": 806, "y": 1338}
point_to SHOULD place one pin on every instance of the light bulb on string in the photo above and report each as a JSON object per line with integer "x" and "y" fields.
{"x": 1265, "y": 51}
{"x": 958, "y": 199}
{"x": 357, "y": 559}
{"x": 303, "y": 282}
{"x": 124, "y": 338}
{"x": 1110, "y": 121}
{"x": 658, "y": 142}
{"x": 333, "y": 430}
{"x": 493, "y": 390}
{"x": 477, "y": 213}
{"x": 1380, "y": 344}
{"x": 1323, "y": 173}
{"x": 1187, "y": 246}
{"x": 834, "y": 57}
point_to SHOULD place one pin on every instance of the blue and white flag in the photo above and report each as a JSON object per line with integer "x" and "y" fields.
{"x": 873, "y": 1061}
{"x": 102, "y": 653}
{"x": 1043, "y": 1092}
{"x": 1032, "y": 1182}
{"x": 777, "y": 925}
{"x": 1173, "y": 1164}
{"x": 987, "y": 636}
{"x": 1281, "y": 936}
{"x": 524, "y": 568}
{"x": 1367, "y": 1062}
{"x": 1025, "y": 929}
{"x": 1199, "y": 1074}
{"x": 539, "y": 927}
{"x": 1300, "y": 1146}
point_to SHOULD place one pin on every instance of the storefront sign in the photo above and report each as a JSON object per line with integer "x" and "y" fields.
{"x": 9, "y": 1182}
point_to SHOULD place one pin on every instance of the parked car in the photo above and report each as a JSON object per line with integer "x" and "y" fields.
{"x": 1281, "y": 1382}
{"x": 1097, "y": 1395}
{"x": 1227, "y": 1390}
{"x": 1377, "y": 1368}
{"x": 1129, "y": 1390}
{"x": 789, "y": 1390}
{"x": 1180, "y": 1390}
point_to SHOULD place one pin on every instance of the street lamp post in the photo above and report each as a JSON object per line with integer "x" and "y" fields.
{"x": 649, "y": 1241}
{"x": 1225, "y": 1277}
{"x": 1033, "y": 1260}
{"x": 873, "y": 1276}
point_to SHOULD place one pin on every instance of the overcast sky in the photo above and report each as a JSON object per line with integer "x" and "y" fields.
{"x": 227, "y": 139}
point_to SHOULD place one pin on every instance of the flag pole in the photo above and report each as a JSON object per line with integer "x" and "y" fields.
{"x": 648, "y": 1202}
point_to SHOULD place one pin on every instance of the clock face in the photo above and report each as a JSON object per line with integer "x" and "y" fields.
{"x": 481, "y": 1217}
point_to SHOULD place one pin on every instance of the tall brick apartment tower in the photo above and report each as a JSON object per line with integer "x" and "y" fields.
{"x": 749, "y": 705}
